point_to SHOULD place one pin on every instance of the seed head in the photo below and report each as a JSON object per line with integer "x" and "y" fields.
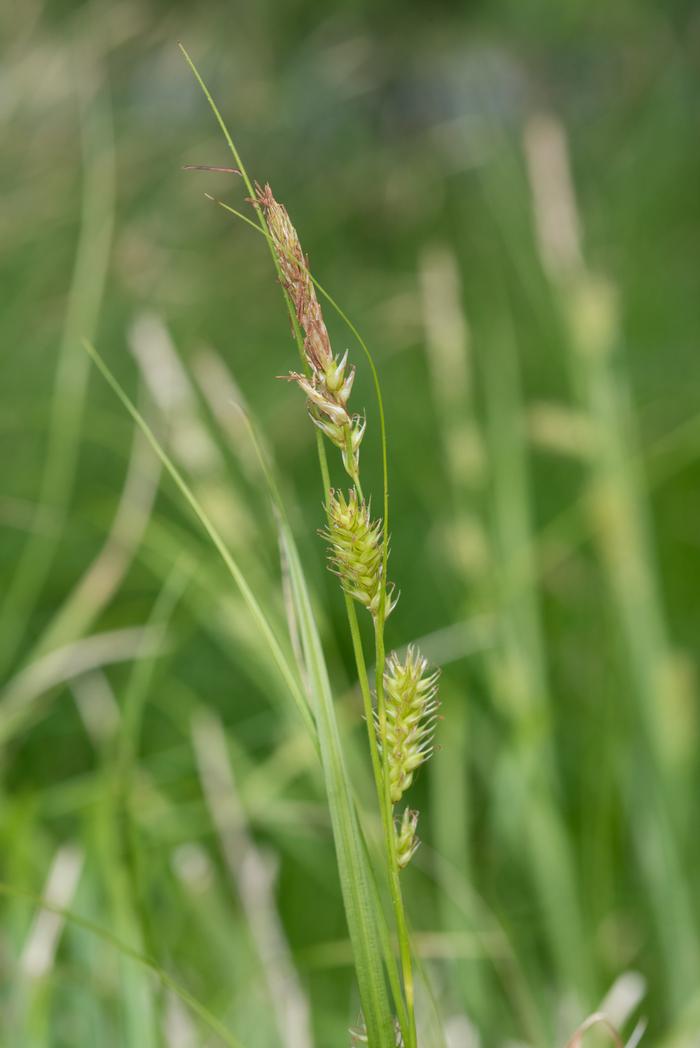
{"x": 296, "y": 279}
{"x": 411, "y": 712}
{"x": 355, "y": 550}
{"x": 406, "y": 840}
{"x": 329, "y": 385}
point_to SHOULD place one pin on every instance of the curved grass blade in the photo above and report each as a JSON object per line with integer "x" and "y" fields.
{"x": 199, "y": 1009}
{"x": 354, "y": 874}
{"x": 83, "y": 305}
{"x": 249, "y": 597}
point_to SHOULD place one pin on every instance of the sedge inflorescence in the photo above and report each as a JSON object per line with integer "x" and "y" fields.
{"x": 355, "y": 550}
{"x": 406, "y": 737}
{"x": 357, "y": 546}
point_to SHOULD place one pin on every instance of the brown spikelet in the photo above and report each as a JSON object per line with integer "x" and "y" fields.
{"x": 296, "y": 279}
{"x": 330, "y": 381}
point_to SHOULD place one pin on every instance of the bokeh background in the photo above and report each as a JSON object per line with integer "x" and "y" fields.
{"x": 504, "y": 198}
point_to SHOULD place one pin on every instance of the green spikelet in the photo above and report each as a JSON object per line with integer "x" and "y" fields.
{"x": 355, "y": 550}
{"x": 411, "y": 712}
{"x": 406, "y": 839}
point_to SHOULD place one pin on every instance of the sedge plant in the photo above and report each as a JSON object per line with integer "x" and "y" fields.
{"x": 400, "y": 726}
{"x": 401, "y": 717}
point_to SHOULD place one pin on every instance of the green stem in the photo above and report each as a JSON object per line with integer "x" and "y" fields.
{"x": 388, "y": 810}
{"x": 406, "y": 1018}
{"x": 352, "y": 464}
{"x": 262, "y": 222}
{"x": 325, "y": 475}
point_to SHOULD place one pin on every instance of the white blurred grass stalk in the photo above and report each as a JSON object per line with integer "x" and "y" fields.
{"x": 518, "y": 672}
{"x": 619, "y": 519}
{"x": 21, "y": 697}
{"x": 38, "y": 954}
{"x": 72, "y": 368}
{"x": 190, "y": 442}
{"x": 515, "y": 662}
{"x": 448, "y": 348}
{"x": 253, "y": 875}
{"x": 92, "y": 594}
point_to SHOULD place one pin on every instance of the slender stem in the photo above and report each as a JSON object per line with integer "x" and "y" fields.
{"x": 394, "y": 882}
{"x": 367, "y": 703}
{"x": 407, "y": 1021}
{"x": 325, "y": 475}
{"x": 352, "y": 463}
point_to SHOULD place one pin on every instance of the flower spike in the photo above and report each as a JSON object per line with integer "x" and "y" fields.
{"x": 355, "y": 550}
{"x": 411, "y": 713}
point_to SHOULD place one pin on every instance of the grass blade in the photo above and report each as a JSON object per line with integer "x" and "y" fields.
{"x": 65, "y": 415}
{"x": 239, "y": 578}
{"x": 106, "y": 936}
{"x": 352, "y": 867}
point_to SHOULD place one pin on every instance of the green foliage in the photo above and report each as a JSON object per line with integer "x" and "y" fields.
{"x": 543, "y": 449}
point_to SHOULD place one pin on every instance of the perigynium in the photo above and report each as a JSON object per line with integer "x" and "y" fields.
{"x": 406, "y": 840}
{"x": 410, "y": 716}
{"x": 355, "y": 550}
{"x": 411, "y": 713}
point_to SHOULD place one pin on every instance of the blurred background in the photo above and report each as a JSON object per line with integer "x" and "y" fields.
{"x": 504, "y": 198}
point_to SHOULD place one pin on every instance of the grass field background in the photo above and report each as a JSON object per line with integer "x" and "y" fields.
{"x": 504, "y": 198}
